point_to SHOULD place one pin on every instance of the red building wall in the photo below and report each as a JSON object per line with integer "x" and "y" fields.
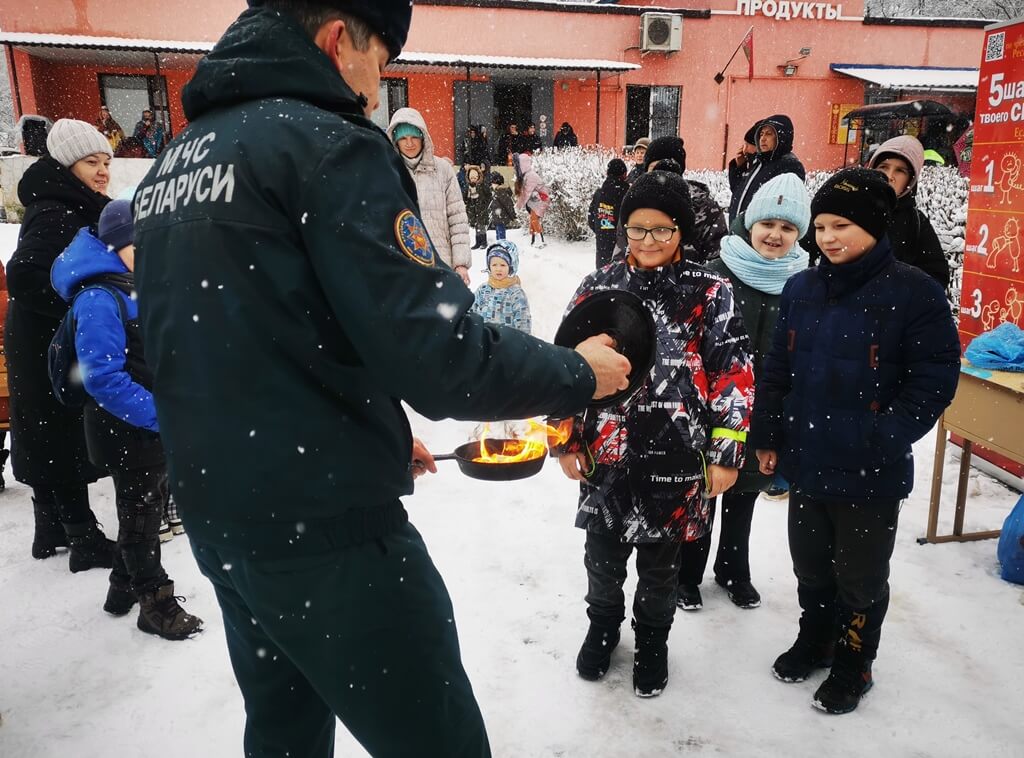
{"x": 708, "y": 110}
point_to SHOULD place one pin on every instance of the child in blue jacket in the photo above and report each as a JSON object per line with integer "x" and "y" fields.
{"x": 121, "y": 428}
{"x": 502, "y": 300}
{"x": 865, "y": 358}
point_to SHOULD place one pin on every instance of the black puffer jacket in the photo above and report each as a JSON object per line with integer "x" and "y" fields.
{"x": 767, "y": 166}
{"x": 49, "y": 439}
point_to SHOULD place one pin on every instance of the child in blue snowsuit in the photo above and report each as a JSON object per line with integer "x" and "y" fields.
{"x": 502, "y": 300}
{"x": 121, "y": 429}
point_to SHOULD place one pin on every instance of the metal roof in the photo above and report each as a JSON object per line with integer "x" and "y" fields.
{"x": 912, "y": 77}
{"x": 75, "y": 48}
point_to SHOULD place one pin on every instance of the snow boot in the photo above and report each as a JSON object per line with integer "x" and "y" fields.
{"x": 120, "y": 599}
{"x": 741, "y": 592}
{"x": 165, "y": 534}
{"x": 688, "y": 597}
{"x": 90, "y": 548}
{"x": 650, "y": 660}
{"x": 481, "y": 241}
{"x": 596, "y": 653}
{"x": 160, "y": 614}
{"x": 173, "y": 517}
{"x": 49, "y": 534}
{"x": 847, "y": 682}
{"x": 801, "y": 660}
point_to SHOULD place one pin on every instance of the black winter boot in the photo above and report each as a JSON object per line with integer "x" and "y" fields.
{"x": 90, "y": 548}
{"x": 847, "y": 682}
{"x": 688, "y": 597}
{"x": 160, "y": 614}
{"x": 650, "y": 660}
{"x": 596, "y": 653}
{"x": 49, "y": 534}
{"x": 801, "y": 660}
{"x": 120, "y": 599}
{"x": 741, "y": 592}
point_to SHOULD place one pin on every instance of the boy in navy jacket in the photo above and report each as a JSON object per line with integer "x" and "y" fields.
{"x": 864, "y": 360}
{"x": 122, "y": 434}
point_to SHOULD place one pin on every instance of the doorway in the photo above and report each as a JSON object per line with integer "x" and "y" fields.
{"x": 513, "y": 104}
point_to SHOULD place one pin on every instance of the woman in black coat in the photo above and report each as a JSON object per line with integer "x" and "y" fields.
{"x": 61, "y": 193}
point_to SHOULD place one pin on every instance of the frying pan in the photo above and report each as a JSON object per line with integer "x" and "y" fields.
{"x": 491, "y": 472}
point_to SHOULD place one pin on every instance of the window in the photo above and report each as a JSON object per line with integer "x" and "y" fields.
{"x": 128, "y": 96}
{"x": 651, "y": 112}
{"x": 394, "y": 94}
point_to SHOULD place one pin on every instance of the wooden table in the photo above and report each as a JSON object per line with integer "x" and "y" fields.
{"x": 988, "y": 410}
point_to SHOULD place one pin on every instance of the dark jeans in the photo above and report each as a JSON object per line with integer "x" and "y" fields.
{"x": 841, "y": 555}
{"x": 141, "y": 498}
{"x": 733, "y": 559}
{"x": 71, "y": 503}
{"x": 364, "y": 633}
{"x": 657, "y": 567}
{"x": 499, "y": 229}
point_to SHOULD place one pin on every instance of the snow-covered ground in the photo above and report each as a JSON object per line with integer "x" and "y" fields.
{"x": 949, "y": 680}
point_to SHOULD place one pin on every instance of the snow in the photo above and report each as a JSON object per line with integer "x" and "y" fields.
{"x": 949, "y": 680}
{"x": 911, "y": 77}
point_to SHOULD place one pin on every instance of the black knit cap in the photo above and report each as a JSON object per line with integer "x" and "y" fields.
{"x": 388, "y": 18}
{"x": 859, "y": 194}
{"x": 666, "y": 147}
{"x": 663, "y": 191}
{"x": 617, "y": 167}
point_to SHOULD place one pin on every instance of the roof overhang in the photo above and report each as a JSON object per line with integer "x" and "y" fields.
{"x": 924, "y": 78}
{"x": 120, "y": 51}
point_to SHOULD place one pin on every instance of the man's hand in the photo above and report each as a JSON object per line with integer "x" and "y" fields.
{"x": 611, "y": 369}
{"x": 422, "y": 460}
{"x": 464, "y": 273}
{"x": 767, "y": 460}
{"x": 741, "y": 157}
{"x": 720, "y": 478}
{"x": 574, "y": 465}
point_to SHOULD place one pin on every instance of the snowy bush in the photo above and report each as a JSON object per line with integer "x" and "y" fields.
{"x": 573, "y": 175}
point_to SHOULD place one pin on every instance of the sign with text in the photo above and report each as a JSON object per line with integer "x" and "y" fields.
{"x": 993, "y": 275}
{"x": 839, "y": 132}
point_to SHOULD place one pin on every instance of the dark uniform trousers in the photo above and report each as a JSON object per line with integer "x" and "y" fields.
{"x": 841, "y": 553}
{"x": 365, "y": 633}
{"x": 657, "y": 568}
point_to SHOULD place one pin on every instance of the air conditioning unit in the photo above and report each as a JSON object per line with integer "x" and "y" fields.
{"x": 661, "y": 32}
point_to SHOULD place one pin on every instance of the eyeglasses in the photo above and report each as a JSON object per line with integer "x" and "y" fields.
{"x": 658, "y": 233}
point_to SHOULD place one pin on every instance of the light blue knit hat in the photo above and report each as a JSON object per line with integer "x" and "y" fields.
{"x": 784, "y": 197}
{"x": 406, "y": 130}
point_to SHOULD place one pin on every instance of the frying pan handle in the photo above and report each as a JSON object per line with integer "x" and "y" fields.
{"x": 446, "y": 457}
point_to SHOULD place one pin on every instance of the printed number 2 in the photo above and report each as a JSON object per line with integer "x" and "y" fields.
{"x": 983, "y": 231}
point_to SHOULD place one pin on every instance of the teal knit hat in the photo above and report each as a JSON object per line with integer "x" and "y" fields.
{"x": 406, "y": 130}
{"x": 784, "y": 197}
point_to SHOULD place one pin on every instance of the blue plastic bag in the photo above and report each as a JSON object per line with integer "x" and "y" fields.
{"x": 1001, "y": 349}
{"x": 1011, "y": 545}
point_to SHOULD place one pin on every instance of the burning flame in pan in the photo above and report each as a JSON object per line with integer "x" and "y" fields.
{"x": 533, "y": 445}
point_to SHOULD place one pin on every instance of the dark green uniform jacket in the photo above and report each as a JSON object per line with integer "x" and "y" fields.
{"x": 760, "y": 311}
{"x": 290, "y": 299}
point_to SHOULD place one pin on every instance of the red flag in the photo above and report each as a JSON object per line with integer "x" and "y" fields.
{"x": 748, "y": 50}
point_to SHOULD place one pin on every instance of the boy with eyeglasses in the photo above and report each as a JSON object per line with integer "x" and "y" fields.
{"x": 650, "y": 467}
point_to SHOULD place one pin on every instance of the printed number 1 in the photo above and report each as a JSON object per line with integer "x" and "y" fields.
{"x": 990, "y": 169}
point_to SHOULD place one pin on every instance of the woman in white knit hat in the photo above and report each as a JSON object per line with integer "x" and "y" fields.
{"x": 61, "y": 192}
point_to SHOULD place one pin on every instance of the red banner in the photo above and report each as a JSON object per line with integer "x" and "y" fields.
{"x": 748, "y": 50}
{"x": 993, "y": 275}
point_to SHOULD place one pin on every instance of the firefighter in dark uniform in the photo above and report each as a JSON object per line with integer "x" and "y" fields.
{"x": 290, "y": 300}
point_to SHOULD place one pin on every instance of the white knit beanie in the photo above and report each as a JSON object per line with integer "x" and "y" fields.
{"x": 69, "y": 141}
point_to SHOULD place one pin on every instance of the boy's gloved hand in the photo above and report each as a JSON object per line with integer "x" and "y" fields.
{"x": 720, "y": 479}
{"x": 574, "y": 465}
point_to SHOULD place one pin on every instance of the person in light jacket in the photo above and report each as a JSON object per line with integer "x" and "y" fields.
{"x": 437, "y": 186}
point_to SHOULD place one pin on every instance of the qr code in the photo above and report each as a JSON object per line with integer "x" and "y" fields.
{"x": 994, "y": 47}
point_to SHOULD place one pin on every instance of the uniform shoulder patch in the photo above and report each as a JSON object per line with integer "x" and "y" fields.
{"x": 413, "y": 238}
